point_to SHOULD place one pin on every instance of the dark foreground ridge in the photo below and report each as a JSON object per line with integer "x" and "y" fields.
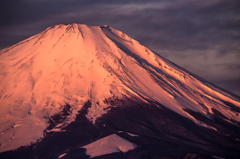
{"x": 159, "y": 134}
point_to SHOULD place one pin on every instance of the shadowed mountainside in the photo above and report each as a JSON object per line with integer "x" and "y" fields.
{"x": 158, "y": 133}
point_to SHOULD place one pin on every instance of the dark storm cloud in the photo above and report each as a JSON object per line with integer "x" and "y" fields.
{"x": 194, "y": 34}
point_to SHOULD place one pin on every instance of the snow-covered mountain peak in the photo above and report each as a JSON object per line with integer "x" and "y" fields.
{"x": 75, "y": 63}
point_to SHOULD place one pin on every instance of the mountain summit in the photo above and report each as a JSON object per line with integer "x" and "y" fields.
{"x": 79, "y": 91}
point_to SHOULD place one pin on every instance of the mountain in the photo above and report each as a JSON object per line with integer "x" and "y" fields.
{"x": 79, "y": 91}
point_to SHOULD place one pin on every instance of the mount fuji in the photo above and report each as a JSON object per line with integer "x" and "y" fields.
{"x": 79, "y": 91}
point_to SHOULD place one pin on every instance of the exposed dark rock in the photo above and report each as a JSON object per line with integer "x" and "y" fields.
{"x": 60, "y": 117}
{"x": 158, "y": 133}
{"x": 74, "y": 135}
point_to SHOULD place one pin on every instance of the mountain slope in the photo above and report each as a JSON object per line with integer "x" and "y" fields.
{"x": 97, "y": 81}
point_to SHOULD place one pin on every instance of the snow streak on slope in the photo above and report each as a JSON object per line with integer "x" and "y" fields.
{"x": 154, "y": 77}
{"x": 70, "y": 64}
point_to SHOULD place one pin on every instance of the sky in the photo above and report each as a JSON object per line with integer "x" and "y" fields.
{"x": 200, "y": 36}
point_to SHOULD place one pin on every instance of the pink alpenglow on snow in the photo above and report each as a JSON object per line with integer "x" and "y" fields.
{"x": 107, "y": 145}
{"x": 47, "y": 79}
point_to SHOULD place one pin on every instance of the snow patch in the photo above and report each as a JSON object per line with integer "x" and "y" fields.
{"x": 62, "y": 155}
{"x": 128, "y": 133}
{"x": 107, "y": 145}
{"x": 97, "y": 110}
